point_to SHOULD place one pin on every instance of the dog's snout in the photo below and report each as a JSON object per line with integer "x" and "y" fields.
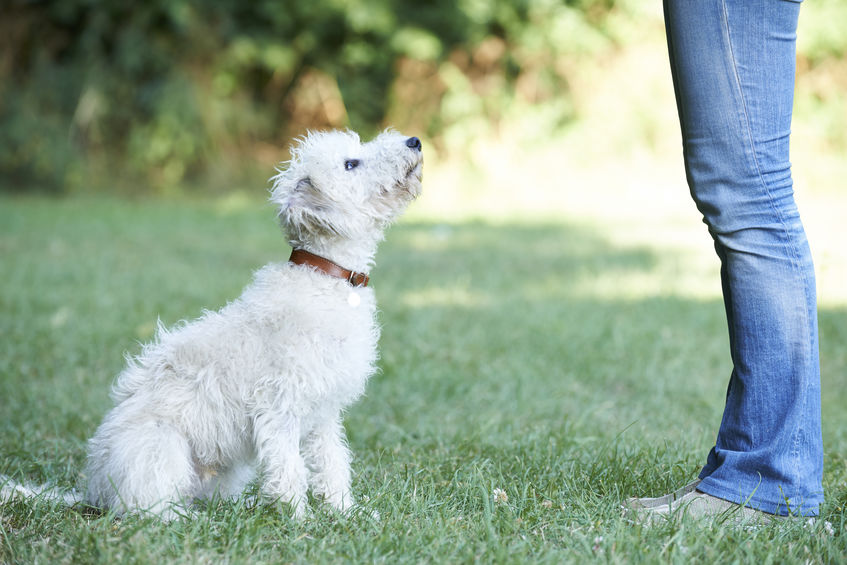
{"x": 413, "y": 143}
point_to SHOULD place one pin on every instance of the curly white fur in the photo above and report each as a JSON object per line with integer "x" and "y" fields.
{"x": 262, "y": 383}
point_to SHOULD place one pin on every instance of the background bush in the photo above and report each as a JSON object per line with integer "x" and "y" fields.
{"x": 164, "y": 93}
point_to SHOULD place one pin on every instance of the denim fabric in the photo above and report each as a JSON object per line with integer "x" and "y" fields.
{"x": 733, "y": 65}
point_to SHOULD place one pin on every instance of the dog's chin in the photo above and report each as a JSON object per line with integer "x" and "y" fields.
{"x": 415, "y": 171}
{"x": 411, "y": 183}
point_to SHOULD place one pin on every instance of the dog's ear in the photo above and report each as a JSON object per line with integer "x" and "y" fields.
{"x": 301, "y": 195}
{"x": 303, "y": 184}
{"x": 286, "y": 186}
{"x": 297, "y": 196}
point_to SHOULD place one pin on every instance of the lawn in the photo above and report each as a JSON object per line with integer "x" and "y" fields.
{"x": 569, "y": 361}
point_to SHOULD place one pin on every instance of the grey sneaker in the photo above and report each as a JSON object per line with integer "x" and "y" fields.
{"x": 668, "y": 499}
{"x": 688, "y": 501}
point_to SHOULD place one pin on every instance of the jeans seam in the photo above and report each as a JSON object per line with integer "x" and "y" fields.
{"x": 791, "y": 244}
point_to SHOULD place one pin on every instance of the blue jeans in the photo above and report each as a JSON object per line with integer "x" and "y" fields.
{"x": 733, "y": 65}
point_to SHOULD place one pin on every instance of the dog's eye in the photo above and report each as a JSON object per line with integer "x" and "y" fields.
{"x": 351, "y": 164}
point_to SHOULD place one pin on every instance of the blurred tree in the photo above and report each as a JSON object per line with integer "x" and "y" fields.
{"x": 160, "y": 91}
{"x": 165, "y": 92}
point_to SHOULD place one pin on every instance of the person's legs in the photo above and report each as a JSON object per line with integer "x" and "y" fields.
{"x": 733, "y": 67}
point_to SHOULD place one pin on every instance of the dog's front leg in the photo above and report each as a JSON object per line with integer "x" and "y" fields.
{"x": 277, "y": 439}
{"x": 328, "y": 459}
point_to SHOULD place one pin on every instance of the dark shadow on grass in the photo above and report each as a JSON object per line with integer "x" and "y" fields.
{"x": 501, "y": 318}
{"x": 492, "y": 334}
{"x": 501, "y": 258}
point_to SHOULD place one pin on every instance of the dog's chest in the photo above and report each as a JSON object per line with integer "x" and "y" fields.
{"x": 316, "y": 336}
{"x": 347, "y": 332}
{"x": 322, "y": 341}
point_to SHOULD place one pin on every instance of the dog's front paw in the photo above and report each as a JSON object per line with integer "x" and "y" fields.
{"x": 297, "y": 507}
{"x": 366, "y": 511}
{"x": 347, "y": 505}
{"x": 340, "y": 501}
{"x": 294, "y": 505}
{"x": 370, "y": 513}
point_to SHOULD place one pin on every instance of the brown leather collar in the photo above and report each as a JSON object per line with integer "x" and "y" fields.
{"x": 303, "y": 257}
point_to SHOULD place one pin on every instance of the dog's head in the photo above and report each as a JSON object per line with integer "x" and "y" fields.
{"x": 336, "y": 186}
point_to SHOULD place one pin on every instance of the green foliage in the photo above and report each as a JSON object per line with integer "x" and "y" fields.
{"x": 822, "y": 80}
{"x": 164, "y": 93}
{"x": 822, "y": 28}
{"x": 157, "y": 92}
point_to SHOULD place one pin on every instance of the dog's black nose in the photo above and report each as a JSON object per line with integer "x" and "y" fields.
{"x": 413, "y": 143}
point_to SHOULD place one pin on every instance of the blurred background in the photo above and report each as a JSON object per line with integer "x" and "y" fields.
{"x": 529, "y": 108}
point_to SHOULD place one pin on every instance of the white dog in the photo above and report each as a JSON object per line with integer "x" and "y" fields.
{"x": 262, "y": 383}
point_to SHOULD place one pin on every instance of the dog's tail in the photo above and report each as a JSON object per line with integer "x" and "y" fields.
{"x": 10, "y": 489}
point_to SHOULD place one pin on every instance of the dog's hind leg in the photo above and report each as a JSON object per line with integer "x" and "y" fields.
{"x": 328, "y": 459}
{"x": 140, "y": 466}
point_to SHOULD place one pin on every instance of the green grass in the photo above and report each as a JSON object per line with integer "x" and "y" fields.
{"x": 509, "y": 361}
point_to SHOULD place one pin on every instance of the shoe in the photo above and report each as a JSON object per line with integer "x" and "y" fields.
{"x": 644, "y": 503}
{"x": 688, "y": 501}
